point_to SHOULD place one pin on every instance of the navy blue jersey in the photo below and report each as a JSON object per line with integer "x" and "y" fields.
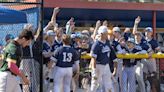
{"x": 143, "y": 40}
{"x": 127, "y": 35}
{"x": 153, "y": 43}
{"x": 112, "y": 57}
{"x": 102, "y": 52}
{"x": 56, "y": 45}
{"x": 131, "y": 62}
{"x": 46, "y": 49}
{"x": 115, "y": 44}
{"x": 143, "y": 46}
{"x": 65, "y": 56}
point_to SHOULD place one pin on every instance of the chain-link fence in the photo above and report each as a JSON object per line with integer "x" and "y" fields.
{"x": 31, "y": 60}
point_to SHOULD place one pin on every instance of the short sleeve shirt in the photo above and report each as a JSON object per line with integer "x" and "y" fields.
{"x": 102, "y": 52}
{"x": 65, "y": 56}
{"x": 153, "y": 43}
{"x": 12, "y": 51}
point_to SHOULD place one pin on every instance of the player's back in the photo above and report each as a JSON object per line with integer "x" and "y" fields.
{"x": 66, "y": 56}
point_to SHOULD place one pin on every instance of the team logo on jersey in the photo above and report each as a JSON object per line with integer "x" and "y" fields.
{"x": 138, "y": 47}
{"x": 56, "y": 47}
{"x": 105, "y": 49}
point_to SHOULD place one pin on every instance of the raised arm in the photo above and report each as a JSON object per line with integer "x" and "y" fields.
{"x": 38, "y": 32}
{"x": 70, "y": 26}
{"x": 52, "y": 24}
{"x": 98, "y": 24}
{"x": 137, "y": 21}
{"x": 55, "y": 12}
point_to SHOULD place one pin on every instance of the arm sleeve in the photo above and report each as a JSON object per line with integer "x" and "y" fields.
{"x": 76, "y": 56}
{"x": 13, "y": 68}
{"x": 155, "y": 45}
{"x": 46, "y": 51}
{"x": 11, "y": 57}
{"x": 113, "y": 56}
{"x": 147, "y": 48}
{"x": 94, "y": 50}
{"x": 119, "y": 49}
{"x": 55, "y": 56}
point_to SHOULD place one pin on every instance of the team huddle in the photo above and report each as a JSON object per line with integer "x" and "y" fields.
{"x": 65, "y": 71}
{"x": 63, "y": 65}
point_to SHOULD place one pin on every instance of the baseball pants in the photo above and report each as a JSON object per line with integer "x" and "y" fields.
{"x": 8, "y": 82}
{"x": 128, "y": 79}
{"x": 139, "y": 76}
{"x": 119, "y": 76}
{"x": 62, "y": 77}
{"x": 103, "y": 80}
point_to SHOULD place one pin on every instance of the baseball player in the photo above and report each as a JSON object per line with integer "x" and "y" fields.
{"x": 142, "y": 45}
{"x": 65, "y": 57}
{"x": 11, "y": 61}
{"x": 152, "y": 62}
{"x": 57, "y": 42}
{"x": 128, "y": 73}
{"x": 47, "y": 53}
{"x": 102, "y": 54}
{"x": 117, "y": 47}
{"x": 58, "y": 39}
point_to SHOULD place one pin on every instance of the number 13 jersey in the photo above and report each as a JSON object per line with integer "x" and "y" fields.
{"x": 65, "y": 56}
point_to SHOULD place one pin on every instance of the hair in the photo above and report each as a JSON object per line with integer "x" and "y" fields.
{"x": 66, "y": 39}
{"x": 27, "y": 34}
{"x": 45, "y": 37}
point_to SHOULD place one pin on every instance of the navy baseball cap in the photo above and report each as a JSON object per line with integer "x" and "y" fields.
{"x": 9, "y": 36}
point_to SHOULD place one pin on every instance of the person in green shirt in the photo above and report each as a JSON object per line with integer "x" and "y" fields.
{"x": 11, "y": 61}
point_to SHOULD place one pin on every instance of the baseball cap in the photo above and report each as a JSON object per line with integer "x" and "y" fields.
{"x": 76, "y": 35}
{"x": 132, "y": 40}
{"x": 9, "y": 36}
{"x": 73, "y": 36}
{"x": 148, "y": 29}
{"x": 116, "y": 29}
{"x": 102, "y": 29}
{"x": 85, "y": 32}
{"x": 50, "y": 33}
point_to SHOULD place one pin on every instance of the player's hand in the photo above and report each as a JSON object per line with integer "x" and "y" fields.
{"x": 114, "y": 73}
{"x": 26, "y": 81}
{"x": 98, "y": 23}
{"x": 150, "y": 55}
{"x": 50, "y": 64}
{"x": 94, "y": 74}
{"x": 56, "y": 10}
{"x": 137, "y": 20}
{"x": 76, "y": 75}
{"x": 105, "y": 23}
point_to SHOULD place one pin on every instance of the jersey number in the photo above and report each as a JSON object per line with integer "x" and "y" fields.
{"x": 67, "y": 57}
